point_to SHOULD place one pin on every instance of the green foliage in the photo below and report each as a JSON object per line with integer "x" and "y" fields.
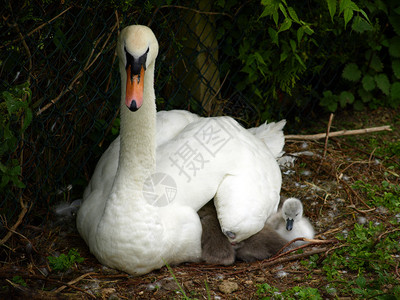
{"x": 15, "y": 118}
{"x": 387, "y": 195}
{"x": 369, "y": 251}
{"x": 366, "y": 77}
{"x": 19, "y": 280}
{"x": 64, "y": 262}
{"x": 265, "y": 291}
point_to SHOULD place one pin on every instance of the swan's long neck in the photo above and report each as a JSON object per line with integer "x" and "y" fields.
{"x": 137, "y": 157}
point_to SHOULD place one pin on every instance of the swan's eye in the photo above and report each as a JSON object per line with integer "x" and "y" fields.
{"x": 136, "y": 63}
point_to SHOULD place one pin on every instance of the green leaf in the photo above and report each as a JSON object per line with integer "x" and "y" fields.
{"x": 293, "y": 15}
{"x": 273, "y": 34}
{"x": 286, "y": 24}
{"x": 293, "y": 45}
{"x": 28, "y": 119}
{"x": 395, "y": 90}
{"x": 284, "y": 55}
{"x": 13, "y": 104}
{"x": 259, "y": 58}
{"x": 396, "y": 68}
{"x": 342, "y": 5}
{"x": 358, "y": 105}
{"x": 365, "y": 96}
{"x": 275, "y": 16}
{"x": 394, "y": 20}
{"x": 347, "y": 15}
{"x": 394, "y": 46}
{"x": 270, "y": 7}
{"x": 300, "y": 34}
{"x": 351, "y": 72}
{"x": 368, "y": 83}
{"x": 376, "y": 63}
{"x": 331, "y": 7}
{"x": 346, "y": 98}
{"x": 300, "y": 60}
{"x": 361, "y": 282}
{"x": 360, "y": 25}
{"x": 329, "y": 101}
{"x": 283, "y": 10}
{"x": 308, "y": 30}
{"x": 383, "y": 83}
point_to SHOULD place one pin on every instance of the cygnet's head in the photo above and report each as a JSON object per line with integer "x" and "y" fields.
{"x": 137, "y": 51}
{"x": 292, "y": 210}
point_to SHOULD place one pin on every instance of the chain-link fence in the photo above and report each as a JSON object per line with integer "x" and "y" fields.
{"x": 59, "y": 68}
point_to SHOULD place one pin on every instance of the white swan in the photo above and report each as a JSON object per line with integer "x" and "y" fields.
{"x": 202, "y": 157}
{"x": 290, "y": 223}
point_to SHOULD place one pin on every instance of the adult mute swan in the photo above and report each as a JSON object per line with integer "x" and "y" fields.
{"x": 184, "y": 161}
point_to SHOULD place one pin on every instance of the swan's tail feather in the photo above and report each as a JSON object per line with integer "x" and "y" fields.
{"x": 272, "y": 135}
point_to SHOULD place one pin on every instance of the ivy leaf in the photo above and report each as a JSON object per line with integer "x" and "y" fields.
{"x": 351, "y": 72}
{"x": 396, "y": 68}
{"x": 395, "y": 90}
{"x": 368, "y": 83}
{"x": 394, "y": 47}
{"x": 331, "y": 8}
{"x": 383, "y": 83}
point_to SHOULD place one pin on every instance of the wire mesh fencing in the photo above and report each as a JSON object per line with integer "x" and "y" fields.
{"x": 60, "y": 83}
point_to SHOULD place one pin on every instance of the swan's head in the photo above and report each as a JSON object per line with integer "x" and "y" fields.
{"x": 292, "y": 210}
{"x": 137, "y": 51}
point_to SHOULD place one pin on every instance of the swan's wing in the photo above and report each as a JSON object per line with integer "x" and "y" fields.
{"x": 272, "y": 135}
{"x": 171, "y": 123}
{"x": 97, "y": 191}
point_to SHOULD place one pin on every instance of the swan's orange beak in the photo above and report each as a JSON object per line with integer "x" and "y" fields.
{"x": 134, "y": 89}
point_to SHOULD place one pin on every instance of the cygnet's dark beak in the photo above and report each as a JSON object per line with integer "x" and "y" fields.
{"x": 289, "y": 224}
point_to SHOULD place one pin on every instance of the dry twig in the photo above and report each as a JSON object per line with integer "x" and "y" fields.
{"x": 328, "y": 129}
{"x": 337, "y": 133}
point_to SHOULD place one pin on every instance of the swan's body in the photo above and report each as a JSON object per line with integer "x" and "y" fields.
{"x": 290, "y": 223}
{"x": 127, "y": 230}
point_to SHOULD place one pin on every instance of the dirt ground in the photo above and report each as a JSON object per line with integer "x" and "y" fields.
{"x": 323, "y": 183}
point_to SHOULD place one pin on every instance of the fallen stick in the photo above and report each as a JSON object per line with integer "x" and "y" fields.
{"x": 70, "y": 283}
{"x": 336, "y": 133}
{"x": 328, "y": 130}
